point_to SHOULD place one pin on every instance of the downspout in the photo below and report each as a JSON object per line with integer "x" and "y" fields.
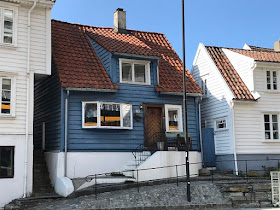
{"x": 233, "y": 138}
{"x": 66, "y": 133}
{"x": 200, "y": 132}
{"x": 27, "y": 100}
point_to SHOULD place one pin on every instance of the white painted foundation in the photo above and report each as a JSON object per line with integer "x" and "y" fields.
{"x": 82, "y": 164}
{"x": 168, "y": 158}
{"x": 12, "y": 188}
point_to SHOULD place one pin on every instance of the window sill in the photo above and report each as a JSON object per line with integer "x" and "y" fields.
{"x": 7, "y": 116}
{"x": 108, "y": 128}
{"x": 174, "y": 131}
{"x": 221, "y": 130}
{"x": 134, "y": 83}
{"x": 9, "y": 46}
{"x": 272, "y": 91}
{"x": 271, "y": 141}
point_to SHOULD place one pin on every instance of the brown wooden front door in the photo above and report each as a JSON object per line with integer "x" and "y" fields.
{"x": 153, "y": 122}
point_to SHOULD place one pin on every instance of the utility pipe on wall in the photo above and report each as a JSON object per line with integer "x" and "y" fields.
{"x": 200, "y": 132}
{"x": 66, "y": 133}
{"x": 27, "y": 100}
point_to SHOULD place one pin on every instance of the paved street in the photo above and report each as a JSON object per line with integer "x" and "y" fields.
{"x": 166, "y": 195}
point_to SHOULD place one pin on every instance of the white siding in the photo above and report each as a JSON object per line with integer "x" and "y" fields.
{"x": 243, "y": 65}
{"x": 249, "y": 128}
{"x": 217, "y": 103}
{"x": 14, "y": 59}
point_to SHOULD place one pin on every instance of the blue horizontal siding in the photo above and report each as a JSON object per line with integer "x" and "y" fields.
{"x": 93, "y": 139}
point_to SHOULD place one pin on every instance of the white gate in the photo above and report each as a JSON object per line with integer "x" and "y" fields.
{"x": 275, "y": 187}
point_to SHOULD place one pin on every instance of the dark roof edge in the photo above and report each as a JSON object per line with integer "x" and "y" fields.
{"x": 92, "y": 90}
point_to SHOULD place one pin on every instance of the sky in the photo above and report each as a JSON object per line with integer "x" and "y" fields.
{"x": 224, "y": 23}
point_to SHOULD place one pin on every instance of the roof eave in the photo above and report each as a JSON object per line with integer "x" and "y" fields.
{"x": 137, "y": 56}
{"x": 181, "y": 94}
{"x": 92, "y": 90}
{"x": 244, "y": 100}
{"x": 40, "y": 3}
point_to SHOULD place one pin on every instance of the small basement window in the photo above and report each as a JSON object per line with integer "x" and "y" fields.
{"x": 271, "y": 80}
{"x": 107, "y": 115}
{"x": 6, "y": 162}
{"x": 220, "y": 124}
{"x": 173, "y": 118}
{"x": 134, "y": 71}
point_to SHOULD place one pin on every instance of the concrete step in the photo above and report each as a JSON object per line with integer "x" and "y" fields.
{"x": 26, "y": 203}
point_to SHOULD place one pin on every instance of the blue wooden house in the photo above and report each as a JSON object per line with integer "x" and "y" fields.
{"x": 112, "y": 91}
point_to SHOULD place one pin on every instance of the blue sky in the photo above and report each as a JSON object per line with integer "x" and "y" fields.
{"x": 227, "y": 23}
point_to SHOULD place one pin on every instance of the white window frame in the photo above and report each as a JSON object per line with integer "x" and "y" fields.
{"x": 270, "y": 126}
{"x": 99, "y": 113}
{"x": 132, "y": 62}
{"x": 220, "y": 119}
{"x": 178, "y": 108}
{"x": 271, "y": 80}
{"x": 204, "y": 82}
{"x": 13, "y": 94}
{"x": 3, "y": 6}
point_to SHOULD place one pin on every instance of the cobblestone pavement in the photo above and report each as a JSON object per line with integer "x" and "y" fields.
{"x": 164, "y": 195}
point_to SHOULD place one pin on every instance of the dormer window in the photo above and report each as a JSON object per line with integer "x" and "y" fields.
{"x": 135, "y": 72}
{"x": 271, "y": 80}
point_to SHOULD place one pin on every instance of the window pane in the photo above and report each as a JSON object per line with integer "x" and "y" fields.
{"x": 6, "y": 84}
{"x": 6, "y": 96}
{"x": 267, "y": 126}
{"x": 90, "y": 115}
{"x": 139, "y": 71}
{"x": 266, "y": 118}
{"x": 173, "y": 120}
{"x": 110, "y": 115}
{"x": 268, "y": 73}
{"x": 221, "y": 124}
{"x": 126, "y": 72}
{"x": 126, "y": 110}
{"x": 8, "y": 39}
{"x": 274, "y": 80}
{"x": 8, "y": 26}
{"x": 275, "y": 135}
{"x": 6, "y": 161}
{"x": 267, "y": 135}
{"x": 274, "y": 118}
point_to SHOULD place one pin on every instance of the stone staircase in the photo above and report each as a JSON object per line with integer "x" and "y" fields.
{"x": 140, "y": 157}
{"x": 43, "y": 192}
{"x": 41, "y": 181}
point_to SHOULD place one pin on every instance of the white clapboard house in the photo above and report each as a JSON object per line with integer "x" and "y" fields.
{"x": 25, "y": 56}
{"x": 241, "y": 103}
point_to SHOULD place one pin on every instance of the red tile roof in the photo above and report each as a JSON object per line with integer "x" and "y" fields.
{"x": 77, "y": 64}
{"x": 119, "y": 42}
{"x": 257, "y": 55}
{"x": 232, "y": 78}
{"x": 260, "y": 48}
{"x": 75, "y": 57}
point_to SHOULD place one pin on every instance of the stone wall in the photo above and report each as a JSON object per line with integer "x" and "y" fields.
{"x": 255, "y": 194}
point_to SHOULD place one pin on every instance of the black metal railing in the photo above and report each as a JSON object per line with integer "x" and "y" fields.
{"x": 249, "y": 170}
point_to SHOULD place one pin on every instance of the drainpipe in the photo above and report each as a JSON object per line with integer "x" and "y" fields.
{"x": 233, "y": 138}
{"x": 66, "y": 133}
{"x": 200, "y": 132}
{"x": 27, "y": 101}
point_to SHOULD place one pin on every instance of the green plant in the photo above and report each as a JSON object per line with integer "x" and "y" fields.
{"x": 268, "y": 169}
{"x": 253, "y": 174}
